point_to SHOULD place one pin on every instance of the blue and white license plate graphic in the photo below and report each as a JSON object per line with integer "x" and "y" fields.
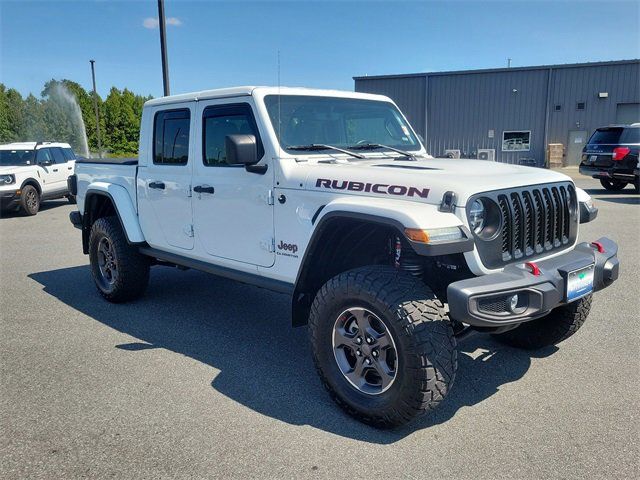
{"x": 580, "y": 283}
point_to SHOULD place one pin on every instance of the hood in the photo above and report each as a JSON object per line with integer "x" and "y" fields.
{"x": 425, "y": 180}
{"x": 6, "y": 169}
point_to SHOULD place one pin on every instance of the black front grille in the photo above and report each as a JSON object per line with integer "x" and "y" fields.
{"x": 534, "y": 221}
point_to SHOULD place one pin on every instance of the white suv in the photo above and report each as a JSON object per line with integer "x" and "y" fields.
{"x": 31, "y": 172}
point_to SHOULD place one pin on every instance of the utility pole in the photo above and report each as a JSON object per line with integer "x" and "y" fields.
{"x": 95, "y": 106}
{"x": 508, "y": 63}
{"x": 163, "y": 47}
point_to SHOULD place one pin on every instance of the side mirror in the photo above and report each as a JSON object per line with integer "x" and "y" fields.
{"x": 45, "y": 163}
{"x": 241, "y": 149}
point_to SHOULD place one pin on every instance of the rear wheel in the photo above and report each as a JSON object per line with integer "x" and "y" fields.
{"x": 551, "y": 329}
{"x": 30, "y": 200}
{"x": 382, "y": 344}
{"x": 120, "y": 272}
{"x": 613, "y": 185}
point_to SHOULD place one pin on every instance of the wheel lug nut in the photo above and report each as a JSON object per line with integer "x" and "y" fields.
{"x": 359, "y": 340}
{"x": 359, "y": 352}
{"x": 374, "y": 353}
{"x": 369, "y": 340}
{"x": 367, "y": 361}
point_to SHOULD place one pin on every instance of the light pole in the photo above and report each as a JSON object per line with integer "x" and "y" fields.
{"x": 95, "y": 106}
{"x": 163, "y": 47}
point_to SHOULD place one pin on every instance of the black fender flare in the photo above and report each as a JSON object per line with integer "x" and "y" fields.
{"x": 301, "y": 301}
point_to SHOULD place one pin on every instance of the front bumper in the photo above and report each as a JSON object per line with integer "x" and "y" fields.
{"x": 608, "y": 173}
{"x": 9, "y": 199}
{"x": 484, "y": 301}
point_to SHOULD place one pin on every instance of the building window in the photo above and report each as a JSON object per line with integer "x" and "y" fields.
{"x": 557, "y": 107}
{"x": 580, "y": 105}
{"x": 516, "y": 141}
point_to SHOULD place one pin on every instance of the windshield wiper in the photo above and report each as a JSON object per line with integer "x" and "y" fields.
{"x": 321, "y": 146}
{"x": 376, "y": 146}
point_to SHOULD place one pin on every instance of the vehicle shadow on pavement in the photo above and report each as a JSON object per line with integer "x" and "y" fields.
{"x": 264, "y": 363}
{"x": 46, "y": 205}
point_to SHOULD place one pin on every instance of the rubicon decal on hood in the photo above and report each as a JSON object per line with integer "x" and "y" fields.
{"x": 383, "y": 188}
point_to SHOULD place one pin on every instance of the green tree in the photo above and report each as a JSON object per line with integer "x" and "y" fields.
{"x": 55, "y": 117}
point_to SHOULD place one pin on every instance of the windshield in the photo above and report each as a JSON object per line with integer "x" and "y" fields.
{"x": 16, "y": 157}
{"x": 337, "y": 122}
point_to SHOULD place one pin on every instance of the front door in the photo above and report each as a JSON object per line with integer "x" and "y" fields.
{"x": 51, "y": 173}
{"x": 577, "y": 141}
{"x": 164, "y": 184}
{"x": 232, "y": 207}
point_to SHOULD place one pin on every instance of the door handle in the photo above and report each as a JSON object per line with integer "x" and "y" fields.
{"x": 157, "y": 185}
{"x": 55, "y": 169}
{"x": 69, "y": 168}
{"x": 203, "y": 189}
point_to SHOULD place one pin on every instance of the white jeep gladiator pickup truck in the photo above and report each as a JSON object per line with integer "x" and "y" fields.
{"x": 390, "y": 255}
{"x": 31, "y": 172}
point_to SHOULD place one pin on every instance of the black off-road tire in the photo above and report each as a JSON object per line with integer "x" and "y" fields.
{"x": 423, "y": 335}
{"x": 612, "y": 185}
{"x": 636, "y": 185}
{"x": 29, "y": 200}
{"x": 551, "y": 329}
{"x": 132, "y": 277}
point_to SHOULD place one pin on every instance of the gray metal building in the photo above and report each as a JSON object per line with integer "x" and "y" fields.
{"x": 512, "y": 114}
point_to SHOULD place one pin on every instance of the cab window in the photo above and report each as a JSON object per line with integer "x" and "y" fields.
{"x": 220, "y": 121}
{"x": 171, "y": 137}
{"x": 44, "y": 155}
{"x": 68, "y": 154}
{"x": 58, "y": 156}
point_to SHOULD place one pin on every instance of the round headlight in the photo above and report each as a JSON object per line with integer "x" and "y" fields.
{"x": 477, "y": 215}
{"x": 6, "y": 179}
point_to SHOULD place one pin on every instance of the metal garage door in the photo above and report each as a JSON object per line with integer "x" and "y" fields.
{"x": 628, "y": 113}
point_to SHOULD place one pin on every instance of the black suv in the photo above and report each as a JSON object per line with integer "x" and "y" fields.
{"x": 611, "y": 155}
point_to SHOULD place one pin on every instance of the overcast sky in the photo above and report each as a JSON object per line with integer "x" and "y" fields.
{"x": 323, "y": 44}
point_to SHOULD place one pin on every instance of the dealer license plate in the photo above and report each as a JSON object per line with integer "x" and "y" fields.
{"x": 593, "y": 158}
{"x": 580, "y": 283}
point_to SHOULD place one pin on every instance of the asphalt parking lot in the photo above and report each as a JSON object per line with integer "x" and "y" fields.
{"x": 205, "y": 378}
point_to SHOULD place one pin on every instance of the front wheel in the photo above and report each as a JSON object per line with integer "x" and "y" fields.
{"x": 30, "y": 200}
{"x": 382, "y": 344}
{"x": 613, "y": 185}
{"x": 119, "y": 271}
{"x": 553, "y": 328}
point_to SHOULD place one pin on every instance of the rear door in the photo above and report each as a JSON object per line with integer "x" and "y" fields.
{"x": 70, "y": 158}
{"x": 164, "y": 184}
{"x": 59, "y": 169}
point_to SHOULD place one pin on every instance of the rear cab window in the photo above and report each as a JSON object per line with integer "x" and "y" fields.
{"x": 171, "y": 137}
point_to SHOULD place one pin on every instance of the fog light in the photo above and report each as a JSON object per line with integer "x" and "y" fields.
{"x": 517, "y": 304}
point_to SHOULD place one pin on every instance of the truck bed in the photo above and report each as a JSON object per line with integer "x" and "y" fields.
{"x": 106, "y": 172}
{"x": 109, "y": 161}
